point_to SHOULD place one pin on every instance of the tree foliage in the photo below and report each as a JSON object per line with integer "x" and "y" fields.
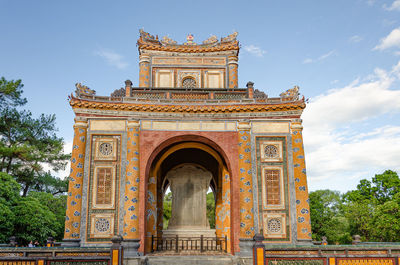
{"x": 28, "y": 145}
{"x": 29, "y": 150}
{"x": 327, "y": 218}
{"x": 371, "y": 211}
{"x": 34, "y": 221}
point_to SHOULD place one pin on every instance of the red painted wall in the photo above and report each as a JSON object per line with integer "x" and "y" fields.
{"x": 225, "y": 143}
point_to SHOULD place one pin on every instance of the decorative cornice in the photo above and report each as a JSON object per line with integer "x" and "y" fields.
{"x": 186, "y": 48}
{"x": 147, "y": 41}
{"x": 189, "y": 108}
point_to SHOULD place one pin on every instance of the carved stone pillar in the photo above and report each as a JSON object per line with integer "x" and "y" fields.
{"x": 144, "y": 70}
{"x": 131, "y": 202}
{"x": 245, "y": 181}
{"x": 232, "y": 71}
{"x": 74, "y": 200}
{"x": 300, "y": 180}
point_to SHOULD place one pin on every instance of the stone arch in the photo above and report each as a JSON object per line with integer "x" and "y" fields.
{"x": 153, "y": 191}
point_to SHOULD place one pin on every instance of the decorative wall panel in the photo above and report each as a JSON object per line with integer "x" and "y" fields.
{"x": 275, "y": 224}
{"x": 273, "y": 191}
{"x": 106, "y": 149}
{"x": 102, "y": 225}
{"x": 164, "y": 78}
{"x": 273, "y": 187}
{"x": 214, "y": 79}
{"x": 104, "y": 187}
{"x": 184, "y": 74}
{"x": 271, "y": 151}
{"x": 104, "y": 176}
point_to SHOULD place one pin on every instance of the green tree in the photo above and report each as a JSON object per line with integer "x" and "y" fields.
{"x": 167, "y": 204}
{"x": 27, "y": 143}
{"x": 34, "y": 221}
{"x": 327, "y": 218}
{"x": 386, "y": 221}
{"x": 10, "y": 93}
{"x": 57, "y": 205}
{"x": 373, "y": 208}
{"x": 211, "y": 209}
{"x": 9, "y": 196}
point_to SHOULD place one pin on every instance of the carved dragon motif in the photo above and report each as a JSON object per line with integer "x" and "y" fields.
{"x": 211, "y": 40}
{"x": 292, "y": 93}
{"x": 230, "y": 38}
{"x": 167, "y": 40}
{"x": 84, "y": 90}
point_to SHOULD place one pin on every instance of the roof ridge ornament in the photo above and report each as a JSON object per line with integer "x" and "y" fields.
{"x": 211, "y": 40}
{"x": 167, "y": 40}
{"x": 189, "y": 40}
{"x": 290, "y": 94}
{"x": 212, "y": 43}
{"x": 230, "y": 37}
{"x": 83, "y": 90}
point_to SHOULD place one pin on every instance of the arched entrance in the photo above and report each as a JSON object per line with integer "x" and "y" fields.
{"x": 197, "y": 154}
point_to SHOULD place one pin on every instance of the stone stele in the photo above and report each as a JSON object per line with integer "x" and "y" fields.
{"x": 189, "y": 184}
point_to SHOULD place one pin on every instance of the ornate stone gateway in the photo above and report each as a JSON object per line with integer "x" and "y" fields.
{"x": 188, "y": 126}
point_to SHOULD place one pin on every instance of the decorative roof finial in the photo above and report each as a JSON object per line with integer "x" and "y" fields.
{"x": 190, "y": 39}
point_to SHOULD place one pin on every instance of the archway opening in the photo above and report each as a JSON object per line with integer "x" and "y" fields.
{"x": 211, "y": 201}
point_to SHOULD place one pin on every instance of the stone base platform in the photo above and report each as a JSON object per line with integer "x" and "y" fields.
{"x": 189, "y": 232}
{"x": 189, "y": 260}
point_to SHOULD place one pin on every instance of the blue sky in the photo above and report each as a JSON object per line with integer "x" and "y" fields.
{"x": 343, "y": 54}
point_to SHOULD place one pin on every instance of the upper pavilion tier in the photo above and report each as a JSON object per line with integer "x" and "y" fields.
{"x": 188, "y": 77}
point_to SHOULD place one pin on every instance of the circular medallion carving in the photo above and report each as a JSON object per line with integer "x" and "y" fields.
{"x": 271, "y": 151}
{"x": 189, "y": 82}
{"x": 274, "y": 225}
{"x": 106, "y": 149}
{"x": 102, "y": 225}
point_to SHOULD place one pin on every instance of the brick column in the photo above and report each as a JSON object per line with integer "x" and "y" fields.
{"x": 300, "y": 180}
{"x": 131, "y": 202}
{"x": 74, "y": 200}
{"x": 232, "y": 72}
{"x": 245, "y": 181}
{"x": 128, "y": 88}
{"x": 144, "y": 70}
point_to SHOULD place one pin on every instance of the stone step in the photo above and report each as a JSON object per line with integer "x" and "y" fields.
{"x": 192, "y": 260}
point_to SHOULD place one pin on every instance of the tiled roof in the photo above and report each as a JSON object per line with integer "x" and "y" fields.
{"x": 188, "y": 108}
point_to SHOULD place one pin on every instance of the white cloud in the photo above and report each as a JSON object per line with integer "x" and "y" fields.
{"x": 355, "y": 39}
{"x": 308, "y": 60}
{"x": 395, "y": 6}
{"x": 390, "y": 41}
{"x": 112, "y": 58}
{"x": 371, "y": 2}
{"x": 255, "y": 50}
{"x": 326, "y": 55}
{"x": 320, "y": 58}
{"x": 338, "y": 155}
